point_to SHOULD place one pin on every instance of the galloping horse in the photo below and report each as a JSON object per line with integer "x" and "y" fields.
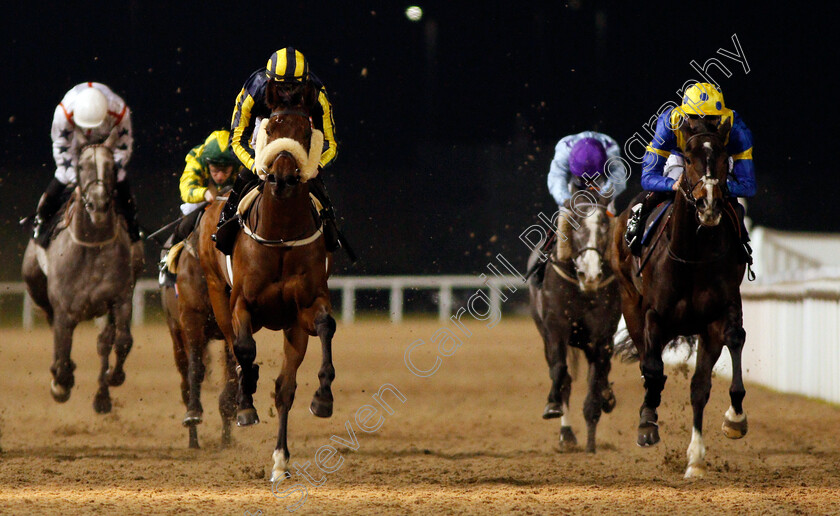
{"x": 690, "y": 286}
{"x": 189, "y": 317}
{"x": 278, "y": 272}
{"x": 578, "y": 305}
{"x": 86, "y": 272}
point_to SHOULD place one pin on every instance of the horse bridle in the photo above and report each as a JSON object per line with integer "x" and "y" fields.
{"x": 276, "y": 113}
{"x": 566, "y": 276}
{"x": 689, "y": 197}
{"x": 83, "y": 191}
{"x": 686, "y": 189}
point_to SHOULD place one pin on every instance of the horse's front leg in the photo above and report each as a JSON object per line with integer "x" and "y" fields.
{"x": 324, "y": 326}
{"x": 600, "y": 396}
{"x": 195, "y": 341}
{"x": 227, "y": 398}
{"x": 709, "y": 347}
{"x": 735, "y": 419}
{"x": 555, "y": 341}
{"x": 122, "y": 340}
{"x": 654, "y": 377}
{"x": 104, "y": 344}
{"x": 294, "y": 349}
{"x": 245, "y": 350}
{"x": 62, "y": 367}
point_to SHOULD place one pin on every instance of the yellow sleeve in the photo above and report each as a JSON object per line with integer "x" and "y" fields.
{"x": 193, "y": 182}
{"x": 331, "y": 151}
{"x": 239, "y": 122}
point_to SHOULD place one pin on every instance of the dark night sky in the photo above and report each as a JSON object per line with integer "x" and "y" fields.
{"x": 444, "y": 141}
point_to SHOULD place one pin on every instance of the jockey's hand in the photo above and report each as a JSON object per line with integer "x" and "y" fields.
{"x": 209, "y": 196}
{"x": 676, "y": 185}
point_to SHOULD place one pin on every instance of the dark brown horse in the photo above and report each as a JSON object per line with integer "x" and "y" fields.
{"x": 279, "y": 272}
{"x": 577, "y": 305}
{"x": 192, "y": 325}
{"x": 690, "y": 286}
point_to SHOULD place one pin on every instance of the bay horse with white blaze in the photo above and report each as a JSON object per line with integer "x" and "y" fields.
{"x": 577, "y": 306}
{"x": 278, "y": 272}
{"x": 690, "y": 286}
{"x": 87, "y": 271}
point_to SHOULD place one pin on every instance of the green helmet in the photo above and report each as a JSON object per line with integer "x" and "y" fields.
{"x": 217, "y": 150}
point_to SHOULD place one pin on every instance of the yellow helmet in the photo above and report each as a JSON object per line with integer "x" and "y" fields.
{"x": 705, "y": 99}
{"x": 287, "y": 65}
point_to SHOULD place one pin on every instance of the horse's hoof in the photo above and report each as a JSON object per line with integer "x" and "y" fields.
{"x": 115, "y": 378}
{"x": 59, "y": 392}
{"x": 609, "y": 402}
{"x": 247, "y": 417}
{"x": 695, "y": 471}
{"x": 590, "y": 447}
{"x": 568, "y": 440}
{"x": 648, "y": 434}
{"x": 320, "y": 407}
{"x": 734, "y": 429}
{"x": 102, "y": 404}
{"x": 192, "y": 417}
{"x": 553, "y": 410}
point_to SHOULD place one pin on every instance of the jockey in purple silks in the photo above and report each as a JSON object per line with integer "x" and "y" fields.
{"x": 583, "y": 161}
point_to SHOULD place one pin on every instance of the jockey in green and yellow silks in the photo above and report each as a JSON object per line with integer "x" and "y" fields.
{"x": 286, "y": 77}
{"x": 209, "y": 167}
{"x": 663, "y": 161}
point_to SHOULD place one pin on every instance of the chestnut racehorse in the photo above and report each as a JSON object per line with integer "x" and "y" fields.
{"x": 277, "y": 276}
{"x": 690, "y": 286}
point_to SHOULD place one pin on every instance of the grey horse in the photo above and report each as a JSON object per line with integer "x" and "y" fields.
{"x": 577, "y": 304}
{"x": 88, "y": 270}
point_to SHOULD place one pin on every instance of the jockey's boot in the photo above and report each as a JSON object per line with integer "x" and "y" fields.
{"x": 128, "y": 209}
{"x": 228, "y": 226}
{"x": 48, "y": 206}
{"x": 185, "y": 226}
{"x": 633, "y": 235}
{"x": 333, "y": 238}
{"x": 327, "y": 213}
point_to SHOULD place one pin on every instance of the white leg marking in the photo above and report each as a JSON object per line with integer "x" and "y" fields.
{"x": 564, "y": 419}
{"x": 733, "y": 417}
{"x": 696, "y": 455}
{"x": 280, "y": 466}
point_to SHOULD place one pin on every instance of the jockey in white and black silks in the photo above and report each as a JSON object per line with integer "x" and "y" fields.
{"x": 286, "y": 75}
{"x": 663, "y": 162}
{"x": 88, "y": 114}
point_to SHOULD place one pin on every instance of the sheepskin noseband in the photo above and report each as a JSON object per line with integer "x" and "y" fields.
{"x": 307, "y": 162}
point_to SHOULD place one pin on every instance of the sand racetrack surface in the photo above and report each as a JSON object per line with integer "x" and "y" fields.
{"x": 468, "y": 439}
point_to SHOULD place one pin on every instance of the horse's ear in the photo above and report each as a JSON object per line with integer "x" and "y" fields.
{"x": 723, "y": 130}
{"x": 311, "y": 94}
{"x": 685, "y": 128}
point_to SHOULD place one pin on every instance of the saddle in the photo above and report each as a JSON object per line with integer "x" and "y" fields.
{"x": 53, "y": 226}
{"x": 652, "y": 222}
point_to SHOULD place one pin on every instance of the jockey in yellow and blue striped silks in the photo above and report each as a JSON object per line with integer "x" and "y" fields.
{"x": 286, "y": 76}
{"x": 288, "y": 66}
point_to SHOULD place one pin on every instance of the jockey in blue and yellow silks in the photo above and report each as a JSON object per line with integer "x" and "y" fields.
{"x": 663, "y": 162}
{"x": 286, "y": 76}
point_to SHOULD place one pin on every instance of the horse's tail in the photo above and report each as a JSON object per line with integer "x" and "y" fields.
{"x": 626, "y": 350}
{"x": 623, "y": 346}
